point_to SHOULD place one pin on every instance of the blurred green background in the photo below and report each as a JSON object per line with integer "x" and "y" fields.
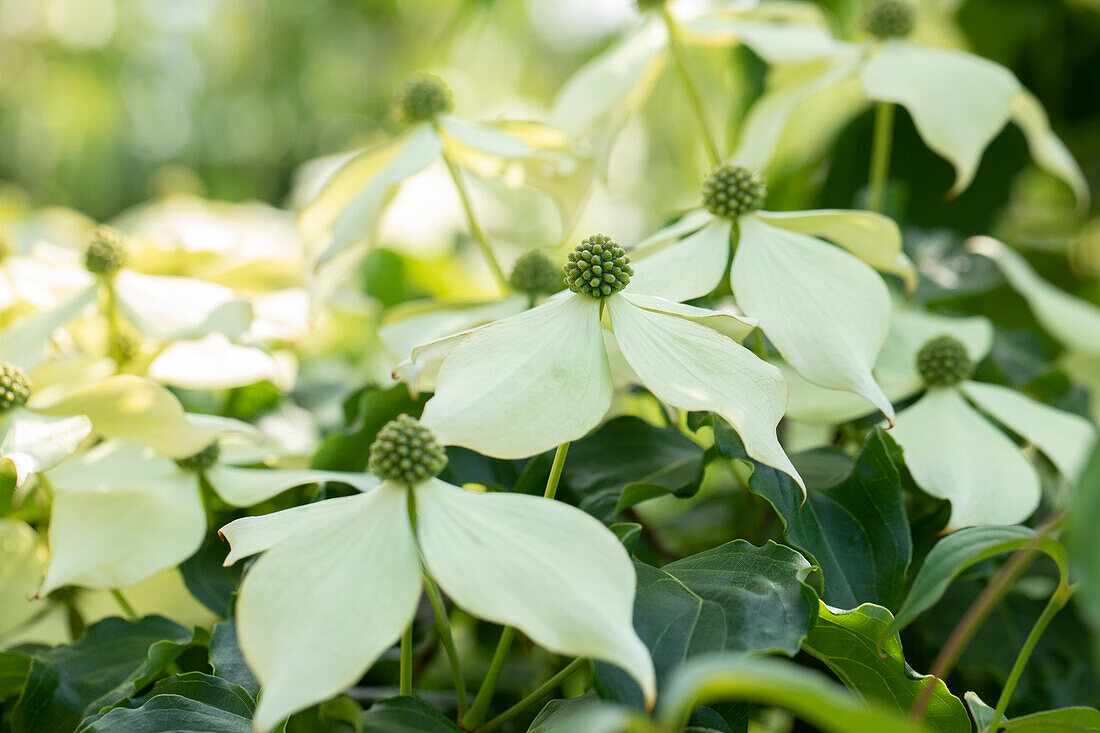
{"x": 107, "y": 103}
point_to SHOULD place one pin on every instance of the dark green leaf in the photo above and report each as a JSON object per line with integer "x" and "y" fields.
{"x": 171, "y": 712}
{"x": 853, "y": 521}
{"x": 1064, "y": 720}
{"x": 227, "y": 660}
{"x": 1084, "y": 550}
{"x": 113, "y": 659}
{"x": 210, "y": 582}
{"x": 958, "y": 551}
{"x": 736, "y": 597}
{"x": 585, "y": 713}
{"x": 847, "y": 641}
{"x": 13, "y": 673}
{"x": 400, "y": 714}
{"x": 348, "y": 450}
{"x": 628, "y": 461}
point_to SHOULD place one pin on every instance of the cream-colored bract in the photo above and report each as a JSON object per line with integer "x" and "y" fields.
{"x": 824, "y": 309}
{"x": 1073, "y": 321}
{"x": 339, "y": 581}
{"x": 949, "y": 445}
{"x": 956, "y": 454}
{"x": 123, "y": 512}
{"x": 525, "y": 384}
{"x": 958, "y": 101}
{"x": 346, "y": 212}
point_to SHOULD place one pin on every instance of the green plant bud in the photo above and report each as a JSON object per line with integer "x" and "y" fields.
{"x": 535, "y": 274}
{"x": 889, "y": 18}
{"x": 202, "y": 460}
{"x": 406, "y": 452}
{"x": 734, "y": 190}
{"x": 422, "y": 98}
{"x": 597, "y": 267}
{"x": 943, "y": 362}
{"x": 106, "y": 253}
{"x": 644, "y": 5}
{"x": 15, "y": 387}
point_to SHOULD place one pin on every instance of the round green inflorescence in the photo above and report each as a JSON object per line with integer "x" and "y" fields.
{"x": 889, "y": 18}
{"x": 597, "y": 267}
{"x": 15, "y": 387}
{"x": 535, "y": 274}
{"x": 422, "y": 98}
{"x": 943, "y": 362}
{"x": 406, "y": 452}
{"x": 734, "y": 190}
{"x": 202, "y": 460}
{"x": 106, "y": 253}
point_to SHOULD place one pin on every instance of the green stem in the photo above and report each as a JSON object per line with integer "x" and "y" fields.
{"x": 443, "y": 624}
{"x": 534, "y": 697}
{"x": 980, "y": 609}
{"x": 555, "y": 471}
{"x": 476, "y": 714}
{"x": 475, "y": 229}
{"x": 114, "y": 333}
{"x": 124, "y": 604}
{"x": 406, "y": 685}
{"x": 880, "y": 154}
{"x": 677, "y": 52}
{"x": 1054, "y": 605}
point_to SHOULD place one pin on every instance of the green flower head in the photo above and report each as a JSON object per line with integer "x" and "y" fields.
{"x": 106, "y": 253}
{"x": 15, "y": 387}
{"x": 731, "y": 191}
{"x": 406, "y": 452}
{"x": 422, "y": 98}
{"x": 644, "y": 5}
{"x": 943, "y": 362}
{"x": 889, "y": 18}
{"x": 597, "y": 267}
{"x": 535, "y": 274}
{"x": 202, "y": 460}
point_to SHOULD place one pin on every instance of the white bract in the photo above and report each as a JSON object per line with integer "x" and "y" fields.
{"x": 958, "y": 101}
{"x": 525, "y": 384}
{"x": 123, "y": 512}
{"x": 344, "y": 215}
{"x": 952, "y": 449}
{"x": 616, "y": 83}
{"x": 826, "y": 311}
{"x": 340, "y": 581}
{"x": 40, "y": 435}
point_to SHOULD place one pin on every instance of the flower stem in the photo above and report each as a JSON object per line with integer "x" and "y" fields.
{"x": 477, "y": 711}
{"x": 534, "y": 697}
{"x": 1054, "y": 605}
{"x": 406, "y": 684}
{"x": 555, "y": 471}
{"x": 124, "y": 604}
{"x": 677, "y": 52}
{"x": 981, "y": 608}
{"x": 880, "y": 154}
{"x": 443, "y": 624}
{"x": 476, "y": 231}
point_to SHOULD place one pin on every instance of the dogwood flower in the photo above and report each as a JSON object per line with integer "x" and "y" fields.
{"x": 340, "y": 580}
{"x": 527, "y": 383}
{"x": 345, "y": 212}
{"x": 36, "y": 435}
{"x": 952, "y": 448}
{"x": 123, "y": 511}
{"x": 617, "y": 82}
{"x": 826, "y": 311}
{"x": 958, "y": 101}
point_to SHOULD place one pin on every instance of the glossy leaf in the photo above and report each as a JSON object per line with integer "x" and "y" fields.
{"x": 855, "y": 528}
{"x": 959, "y": 551}
{"x": 847, "y": 642}
{"x": 736, "y": 597}
{"x": 628, "y": 461}
{"x": 399, "y": 714}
